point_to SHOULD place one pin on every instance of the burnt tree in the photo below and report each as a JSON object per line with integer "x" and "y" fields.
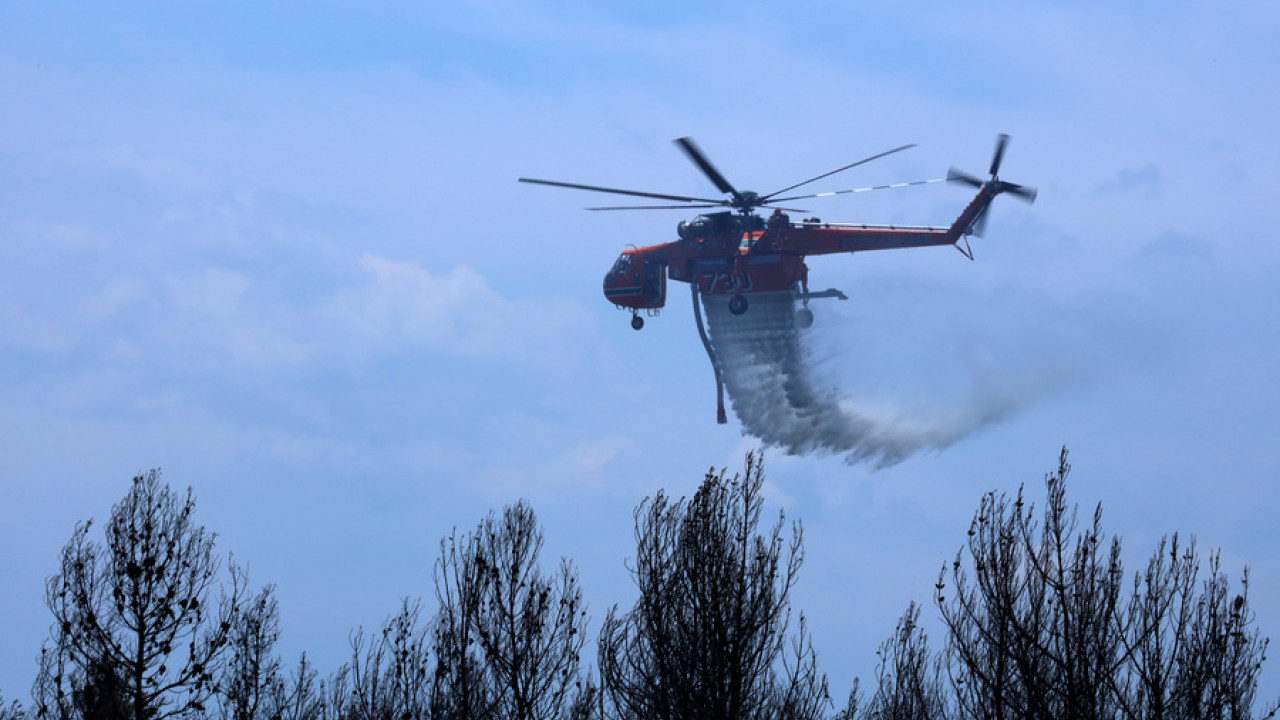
{"x": 508, "y": 637}
{"x": 707, "y": 638}
{"x": 908, "y": 682}
{"x": 1042, "y": 623}
{"x": 142, "y": 622}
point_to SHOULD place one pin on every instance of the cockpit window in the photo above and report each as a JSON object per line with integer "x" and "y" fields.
{"x": 623, "y": 265}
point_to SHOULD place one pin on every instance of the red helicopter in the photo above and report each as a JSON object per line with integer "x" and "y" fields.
{"x": 738, "y": 254}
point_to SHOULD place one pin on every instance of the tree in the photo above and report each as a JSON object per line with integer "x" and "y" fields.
{"x": 504, "y": 643}
{"x": 508, "y": 638}
{"x": 530, "y": 627}
{"x": 459, "y": 686}
{"x": 302, "y": 696}
{"x": 706, "y": 638}
{"x": 12, "y": 711}
{"x": 908, "y": 682}
{"x": 1032, "y": 634}
{"x": 251, "y": 674}
{"x": 1189, "y": 653}
{"x": 389, "y": 674}
{"x": 1040, "y": 625}
{"x": 137, "y": 630}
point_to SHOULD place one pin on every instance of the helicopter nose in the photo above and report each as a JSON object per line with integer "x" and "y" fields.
{"x": 614, "y": 288}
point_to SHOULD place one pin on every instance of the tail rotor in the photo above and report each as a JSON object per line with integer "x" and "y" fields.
{"x": 997, "y": 186}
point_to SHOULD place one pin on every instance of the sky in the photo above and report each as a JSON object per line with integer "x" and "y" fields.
{"x": 279, "y": 251}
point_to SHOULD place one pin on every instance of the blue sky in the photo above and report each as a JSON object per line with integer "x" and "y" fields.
{"x": 281, "y": 253}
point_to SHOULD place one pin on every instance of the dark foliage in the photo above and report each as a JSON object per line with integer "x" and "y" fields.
{"x": 908, "y": 682}
{"x": 504, "y": 644}
{"x": 389, "y": 676}
{"x": 707, "y": 636}
{"x": 459, "y": 686}
{"x": 1040, "y": 620}
{"x": 301, "y": 695}
{"x": 12, "y": 711}
{"x": 508, "y": 637}
{"x": 251, "y": 677}
{"x": 1041, "y": 623}
{"x": 138, "y": 631}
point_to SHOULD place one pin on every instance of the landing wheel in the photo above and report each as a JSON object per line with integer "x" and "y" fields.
{"x": 637, "y": 322}
{"x": 738, "y": 304}
{"x": 804, "y": 318}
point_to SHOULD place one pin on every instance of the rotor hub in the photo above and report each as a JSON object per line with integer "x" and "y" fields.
{"x": 746, "y": 200}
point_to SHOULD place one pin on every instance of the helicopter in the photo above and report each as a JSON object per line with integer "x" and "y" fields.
{"x": 734, "y": 255}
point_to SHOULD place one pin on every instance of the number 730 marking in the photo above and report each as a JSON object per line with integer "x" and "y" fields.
{"x": 729, "y": 282}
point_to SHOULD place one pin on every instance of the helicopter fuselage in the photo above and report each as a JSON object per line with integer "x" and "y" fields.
{"x": 728, "y": 254}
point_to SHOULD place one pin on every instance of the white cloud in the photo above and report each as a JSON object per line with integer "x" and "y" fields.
{"x": 568, "y": 463}
{"x": 216, "y": 292}
{"x": 156, "y": 170}
{"x": 18, "y": 329}
{"x": 115, "y": 298}
{"x": 403, "y": 306}
{"x": 403, "y": 302}
{"x": 215, "y": 323}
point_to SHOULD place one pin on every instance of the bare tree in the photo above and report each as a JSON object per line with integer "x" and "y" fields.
{"x": 57, "y": 682}
{"x": 389, "y": 675}
{"x": 460, "y": 688}
{"x": 1040, "y": 624}
{"x": 706, "y": 637}
{"x": 301, "y": 695}
{"x": 336, "y": 696}
{"x": 1192, "y": 646}
{"x": 585, "y": 704}
{"x": 251, "y": 674}
{"x": 908, "y": 678}
{"x": 508, "y": 638}
{"x": 13, "y": 711}
{"x": 799, "y": 690}
{"x": 530, "y": 626}
{"x": 140, "y": 610}
{"x": 1032, "y": 632}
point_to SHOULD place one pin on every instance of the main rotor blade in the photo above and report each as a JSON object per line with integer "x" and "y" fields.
{"x": 858, "y": 190}
{"x": 657, "y": 207}
{"x": 833, "y": 172}
{"x": 690, "y": 149}
{"x": 596, "y": 188}
{"x": 1001, "y": 141}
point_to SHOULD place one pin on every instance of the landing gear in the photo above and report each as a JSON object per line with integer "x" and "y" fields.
{"x": 804, "y": 318}
{"x": 637, "y": 322}
{"x": 738, "y": 304}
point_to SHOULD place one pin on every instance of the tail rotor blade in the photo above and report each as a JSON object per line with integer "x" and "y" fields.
{"x": 1001, "y": 141}
{"x": 993, "y": 187}
{"x": 1022, "y": 192}
{"x": 960, "y": 176}
{"x": 979, "y": 226}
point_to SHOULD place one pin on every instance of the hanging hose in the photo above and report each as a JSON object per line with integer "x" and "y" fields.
{"x": 715, "y": 365}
